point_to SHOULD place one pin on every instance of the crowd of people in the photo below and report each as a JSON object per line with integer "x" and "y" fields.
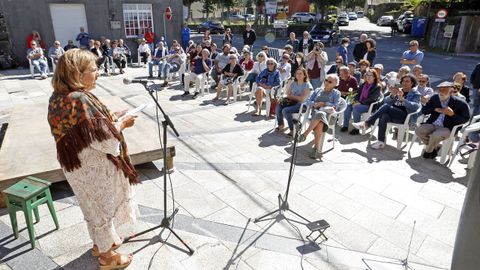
{"x": 297, "y": 76}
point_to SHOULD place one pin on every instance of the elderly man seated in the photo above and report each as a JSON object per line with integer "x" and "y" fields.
{"x": 158, "y": 56}
{"x": 446, "y": 111}
{"x": 35, "y": 54}
{"x": 55, "y": 52}
{"x": 401, "y": 102}
{"x": 201, "y": 66}
{"x": 172, "y": 64}
{"x": 347, "y": 82}
{"x": 423, "y": 88}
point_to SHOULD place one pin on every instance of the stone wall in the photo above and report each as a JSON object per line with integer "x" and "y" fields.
{"x": 6, "y": 60}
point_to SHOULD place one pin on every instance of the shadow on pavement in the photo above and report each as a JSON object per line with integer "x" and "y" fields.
{"x": 432, "y": 170}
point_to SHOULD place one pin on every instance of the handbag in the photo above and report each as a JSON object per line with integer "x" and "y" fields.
{"x": 273, "y": 106}
{"x": 285, "y": 102}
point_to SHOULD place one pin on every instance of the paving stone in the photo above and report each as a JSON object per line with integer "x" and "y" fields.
{"x": 277, "y": 261}
{"x": 4, "y": 266}
{"x": 437, "y": 192}
{"x": 436, "y": 253}
{"x": 64, "y": 241}
{"x": 373, "y": 200}
{"x": 329, "y": 179}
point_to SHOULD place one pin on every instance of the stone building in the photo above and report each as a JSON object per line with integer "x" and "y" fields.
{"x": 62, "y": 19}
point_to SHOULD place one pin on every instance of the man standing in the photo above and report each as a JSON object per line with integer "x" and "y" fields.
{"x": 446, "y": 111}
{"x": 360, "y": 48}
{"x": 475, "y": 79}
{"x": 413, "y": 56}
{"x": 249, "y": 36}
{"x": 83, "y": 38}
{"x": 306, "y": 44}
{"x": 293, "y": 41}
{"x": 185, "y": 36}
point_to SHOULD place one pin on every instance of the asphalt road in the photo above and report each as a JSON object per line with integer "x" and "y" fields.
{"x": 389, "y": 49}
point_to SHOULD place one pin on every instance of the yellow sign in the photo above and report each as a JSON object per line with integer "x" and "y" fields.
{"x": 282, "y": 16}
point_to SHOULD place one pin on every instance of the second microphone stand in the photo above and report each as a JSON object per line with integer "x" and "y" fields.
{"x": 166, "y": 221}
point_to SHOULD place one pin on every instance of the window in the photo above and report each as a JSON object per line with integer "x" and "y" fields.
{"x": 137, "y": 18}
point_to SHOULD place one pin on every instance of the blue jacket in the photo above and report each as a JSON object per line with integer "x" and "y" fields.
{"x": 334, "y": 98}
{"x": 411, "y": 101}
{"x": 270, "y": 78}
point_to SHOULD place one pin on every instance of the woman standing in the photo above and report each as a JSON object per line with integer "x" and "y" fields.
{"x": 371, "y": 51}
{"x": 325, "y": 102}
{"x": 297, "y": 93}
{"x": 93, "y": 154}
{"x": 228, "y": 36}
{"x": 297, "y": 63}
{"x": 316, "y": 61}
{"x": 207, "y": 37}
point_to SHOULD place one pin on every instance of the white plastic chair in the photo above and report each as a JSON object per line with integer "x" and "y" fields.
{"x": 332, "y": 120}
{"x": 403, "y": 129}
{"x": 272, "y": 93}
{"x": 236, "y": 86}
{"x": 139, "y": 59}
{"x": 54, "y": 66}
{"x": 32, "y": 67}
{"x": 207, "y": 81}
{"x": 366, "y": 115}
{"x": 472, "y": 127}
{"x": 179, "y": 73}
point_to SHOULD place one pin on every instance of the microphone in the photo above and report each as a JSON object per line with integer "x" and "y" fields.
{"x": 130, "y": 80}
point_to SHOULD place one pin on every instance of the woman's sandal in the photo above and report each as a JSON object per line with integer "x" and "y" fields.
{"x": 256, "y": 114}
{"x": 280, "y": 128}
{"x": 96, "y": 253}
{"x": 117, "y": 261}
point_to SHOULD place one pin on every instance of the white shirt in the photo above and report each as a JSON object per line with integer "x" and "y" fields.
{"x": 144, "y": 48}
{"x": 258, "y": 67}
{"x": 286, "y": 74}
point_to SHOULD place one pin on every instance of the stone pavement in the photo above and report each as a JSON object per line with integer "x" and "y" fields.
{"x": 230, "y": 168}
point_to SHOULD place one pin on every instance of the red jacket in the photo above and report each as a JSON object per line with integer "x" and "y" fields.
{"x": 149, "y": 37}
{"x": 29, "y": 40}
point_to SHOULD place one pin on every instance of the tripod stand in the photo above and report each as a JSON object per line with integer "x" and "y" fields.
{"x": 165, "y": 224}
{"x": 404, "y": 263}
{"x": 283, "y": 201}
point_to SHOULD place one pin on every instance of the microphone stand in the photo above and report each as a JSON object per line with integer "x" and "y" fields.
{"x": 165, "y": 224}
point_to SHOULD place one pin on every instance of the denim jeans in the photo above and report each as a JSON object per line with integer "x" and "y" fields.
{"x": 357, "y": 113}
{"x": 316, "y": 83}
{"x": 168, "y": 68}
{"x": 41, "y": 65}
{"x": 150, "y": 67}
{"x": 387, "y": 113}
{"x": 476, "y": 102}
{"x": 287, "y": 112}
{"x": 474, "y": 137}
{"x": 251, "y": 78}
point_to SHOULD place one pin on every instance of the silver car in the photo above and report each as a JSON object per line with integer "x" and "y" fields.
{"x": 385, "y": 20}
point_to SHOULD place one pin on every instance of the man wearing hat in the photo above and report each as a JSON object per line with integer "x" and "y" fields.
{"x": 446, "y": 111}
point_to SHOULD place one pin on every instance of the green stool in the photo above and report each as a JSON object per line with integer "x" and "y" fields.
{"x": 26, "y": 195}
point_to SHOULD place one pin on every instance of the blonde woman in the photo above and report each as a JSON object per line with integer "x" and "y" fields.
{"x": 258, "y": 67}
{"x": 93, "y": 154}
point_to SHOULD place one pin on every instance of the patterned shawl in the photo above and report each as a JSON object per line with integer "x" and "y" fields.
{"x": 76, "y": 119}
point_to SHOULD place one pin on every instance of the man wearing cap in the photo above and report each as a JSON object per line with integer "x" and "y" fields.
{"x": 413, "y": 56}
{"x": 381, "y": 78}
{"x": 446, "y": 111}
{"x": 352, "y": 67}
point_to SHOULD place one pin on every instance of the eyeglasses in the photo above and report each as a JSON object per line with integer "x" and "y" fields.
{"x": 270, "y": 64}
{"x": 422, "y": 81}
{"x": 33, "y": 44}
{"x": 328, "y": 81}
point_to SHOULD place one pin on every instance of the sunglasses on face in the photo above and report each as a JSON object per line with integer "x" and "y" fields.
{"x": 328, "y": 81}
{"x": 270, "y": 64}
{"x": 422, "y": 81}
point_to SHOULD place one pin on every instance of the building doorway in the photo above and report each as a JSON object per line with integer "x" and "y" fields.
{"x": 67, "y": 20}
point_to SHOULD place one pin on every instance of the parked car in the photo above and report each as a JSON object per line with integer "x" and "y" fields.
{"x": 352, "y": 16}
{"x": 343, "y": 20}
{"x": 250, "y": 17}
{"x": 359, "y": 14}
{"x": 326, "y": 32}
{"x": 404, "y": 22}
{"x": 303, "y": 17}
{"x": 213, "y": 26}
{"x": 236, "y": 17}
{"x": 385, "y": 20}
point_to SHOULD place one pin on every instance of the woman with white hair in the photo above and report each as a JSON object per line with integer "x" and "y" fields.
{"x": 266, "y": 81}
{"x": 316, "y": 61}
{"x": 325, "y": 101}
{"x": 229, "y": 74}
{"x": 258, "y": 67}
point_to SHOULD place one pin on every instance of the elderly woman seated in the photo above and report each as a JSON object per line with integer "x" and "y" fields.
{"x": 401, "y": 102}
{"x": 229, "y": 74}
{"x": 201, "y": 66}
{"x": 325, "y": 101}
{"x": 297, "y": 92}
{"x": 266, "y": 81}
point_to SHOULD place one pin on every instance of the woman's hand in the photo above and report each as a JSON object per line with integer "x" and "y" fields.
{"x": 120, "y": 113}
{"x": 319, "y": 104}
{"x": 127, "y": 122}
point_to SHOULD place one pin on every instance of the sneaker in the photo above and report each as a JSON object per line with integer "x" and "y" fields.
{"x": 360, "y": 125}
{"x": 195, "y": 95}
{"x": 165, "y": 84}
{"x": 185, "y": 94}
{"x": 344, "y": 129}
{"x": 150, "y": 77}
{"x": 354, "y": 132}
{"x": 427, "y": 155}
{"x": 314, "y": 154}
{"x": 378, "y": 145}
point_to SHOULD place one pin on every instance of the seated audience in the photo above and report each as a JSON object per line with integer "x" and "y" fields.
{"x": 221, "y": 61}
{"x": 55, "y": 51}
{"x": 297, "y": 92}
{"x": 198, "y": 70}
{"x": 126, "y": 50}
{"x": 158, "y": 57}
{"x": 457, "y": 87}
{"x": 117, "y": 56}
{"x": 144, "y": 51}
{"x": 172, "y": 63}
{"x": 396, "y": 106}
{"x": 289, "y": 50}
{"x": 425, "y": 91}
{"x": 346, "y": 83}
{"x": 35, "y": 54}
{"x": 69, "y": 46}
{"x": 284, "y": 68}
{"x": 258, "y": 67}
{"x": 363, "y": 64}
{"x": 102, "y": 58}
{"x": 266, "y": 81}
{"x": 461, "y": 79}
{"x": 352, "y": 67}
{"x": 417, "y": 71}
{"x": 446, "y": 111}
{"x": 247, "y": 62}
{"x": 91, "y": 44}
{"x": 336, "y": 67}
{"x": 229, "y": 74}
{"x": 325, "y": 101}
{"x": 369, "y": 92}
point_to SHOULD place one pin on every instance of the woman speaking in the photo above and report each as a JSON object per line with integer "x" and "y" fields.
{"x": 93, "y": 154}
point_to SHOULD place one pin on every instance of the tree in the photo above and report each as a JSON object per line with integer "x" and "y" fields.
{"x": 188, "y": 4}
{"x": 321, "y": 5}
{"x": 351, "y": 4}
{"x": 208, "y": 7}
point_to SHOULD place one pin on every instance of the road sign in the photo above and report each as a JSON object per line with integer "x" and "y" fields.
{"x": 168, "y": 13}
{"x": 441, "y": 14}
{"x": 448, "y": 31}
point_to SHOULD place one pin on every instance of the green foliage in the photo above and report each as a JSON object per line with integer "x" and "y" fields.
{"x": 208, "y": 6}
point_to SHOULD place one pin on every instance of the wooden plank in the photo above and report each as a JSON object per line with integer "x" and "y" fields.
{"x": 29, "y": 149}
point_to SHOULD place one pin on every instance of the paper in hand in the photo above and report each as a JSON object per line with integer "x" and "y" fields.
{"x": 135, "y": 110}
